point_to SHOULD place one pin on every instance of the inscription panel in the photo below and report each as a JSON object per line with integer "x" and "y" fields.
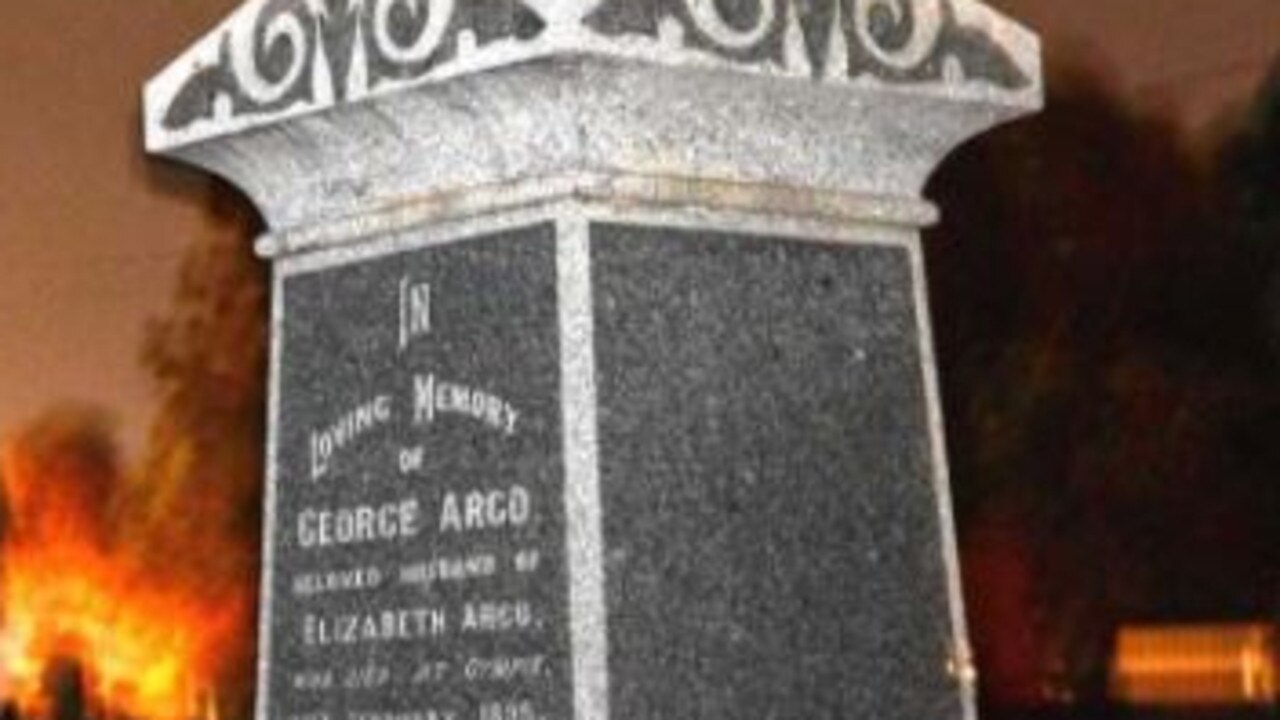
{"x": 770, "y": 521}
{"x": 418, "y": 547}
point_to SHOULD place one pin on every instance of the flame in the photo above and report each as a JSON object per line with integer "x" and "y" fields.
{"x": 76, "y": 583}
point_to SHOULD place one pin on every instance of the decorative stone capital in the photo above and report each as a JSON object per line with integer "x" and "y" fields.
{"x": 426, "y": 96}
{"x": 638, "y": 284}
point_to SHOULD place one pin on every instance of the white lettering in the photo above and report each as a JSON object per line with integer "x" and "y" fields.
{"x": 336, "y": 581}
{"x": 450, "y": 569}
{"x": 415, "y": 310}
{"x": 433, "y": 397}
{"x": 496, "y": 617}
{"x": 345, "y": 430}
{"x": 486, "y": 510}
{"x": 359, "y": 524}
{"x": 414, "y": 623}
{"x": 505, "y": 669}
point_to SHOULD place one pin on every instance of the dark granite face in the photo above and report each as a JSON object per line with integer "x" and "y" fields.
{"x": 772, "y": 545}
{"x": 771, "y": 531}
{"x": 418, "y": 569}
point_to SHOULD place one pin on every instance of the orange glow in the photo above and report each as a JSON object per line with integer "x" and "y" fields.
{"x": 1196, "y": 665}
{"x": 71, "y": 590}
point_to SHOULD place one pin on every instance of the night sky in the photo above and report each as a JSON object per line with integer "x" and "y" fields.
{"x": 91, "y": 232}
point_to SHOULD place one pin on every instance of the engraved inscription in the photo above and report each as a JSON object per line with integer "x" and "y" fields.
{"x": 419, "y": 525}
{"x": 415, "y": 310}
{"x": 432, "y": 398}
{"x": 362, "y": 523}
{"x": 345, "y": 430}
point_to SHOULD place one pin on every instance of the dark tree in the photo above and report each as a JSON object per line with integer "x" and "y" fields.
{"x": 1101, "y": 332}
{"x": 200, "y": 488}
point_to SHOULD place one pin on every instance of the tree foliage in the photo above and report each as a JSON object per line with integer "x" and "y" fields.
{"x": 201, "y": 479}
{"x": 1106, "y": 348}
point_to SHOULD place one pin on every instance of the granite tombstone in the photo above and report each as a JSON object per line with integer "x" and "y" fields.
{"x": 601, "y": 369}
